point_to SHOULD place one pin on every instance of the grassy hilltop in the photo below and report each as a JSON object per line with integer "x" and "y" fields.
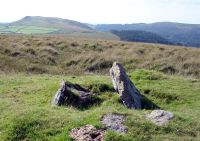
{"x": 37, "y": 25}
{"x": 31, "y": 68}
{"x": 43, "y": 23}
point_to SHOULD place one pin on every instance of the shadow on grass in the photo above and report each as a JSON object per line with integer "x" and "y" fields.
{"x": 148, "y": 104}
{"x": 82, "y": 103}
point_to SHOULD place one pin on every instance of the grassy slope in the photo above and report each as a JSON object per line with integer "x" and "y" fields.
{"x": 63, "y": 24}
{"x": 34, "y": 30}
{"x": 27, "y": 114}
{"x": 27, "y": 29}
{"x": 50, "y": 25}
{"x": 73, "y": 55}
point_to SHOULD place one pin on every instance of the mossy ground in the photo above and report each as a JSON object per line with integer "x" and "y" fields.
{"x": 27, "y": 113}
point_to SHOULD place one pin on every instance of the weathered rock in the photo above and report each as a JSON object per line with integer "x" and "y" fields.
{"x": 74, "y": 95}
{"x": 129, "y": 94}
{"x": 114, "y": 122}
{"x": 160, "y": 117}
{"x": 60, "y": 94}
{"x": 86, "y": 133}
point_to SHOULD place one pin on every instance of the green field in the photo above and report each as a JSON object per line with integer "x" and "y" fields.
{"x": 26, "y": 29}
{"x": 2, "y": 27}
{"x": 27, "y": 113}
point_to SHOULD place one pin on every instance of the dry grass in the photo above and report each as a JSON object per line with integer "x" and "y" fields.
{"x": 73, "y": 55}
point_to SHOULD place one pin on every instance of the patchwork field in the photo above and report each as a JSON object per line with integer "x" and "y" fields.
{"x": 26, "y": 30}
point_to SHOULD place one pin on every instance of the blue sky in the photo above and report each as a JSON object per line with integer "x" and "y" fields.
{"x": 104, "y": 11}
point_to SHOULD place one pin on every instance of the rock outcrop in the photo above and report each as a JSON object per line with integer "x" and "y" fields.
{"x": 129, "y": 94}
{"x": 114, "y": 122}
{"x": 74, "y": 95}
{"x": 86, "y": 133}
{"x": 160, "y": 117}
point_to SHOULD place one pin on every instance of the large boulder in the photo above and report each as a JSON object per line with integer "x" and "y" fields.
{"x": 86, "y": 133}
{"x": 160, "y": 117}
{"x": 129, "y": 94}
{"x": 74, "y": 95}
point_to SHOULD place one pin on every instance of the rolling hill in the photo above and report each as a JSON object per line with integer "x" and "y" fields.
{"x": 50, "y": 25}
{"x": 177, "y": 33}
{"x": 172, "y": 33}
{"x": 140, "y": 36}
{"x": 63, "y": 25}
{"x": 43, "y": 25}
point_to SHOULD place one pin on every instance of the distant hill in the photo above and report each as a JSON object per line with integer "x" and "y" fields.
{"x": 161, "y": 32}
{"x": 52, "y": 25}
{"x": 178, "y": 33}
{"x": 3, "y": 23}
{"x": 140, "y": 36}
{"x": 63, "y": 25}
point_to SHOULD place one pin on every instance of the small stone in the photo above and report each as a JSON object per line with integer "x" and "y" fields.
{"x": 160, "y": 117}
{"x": 86, "y": 133}
{"x": 114, "y": 122}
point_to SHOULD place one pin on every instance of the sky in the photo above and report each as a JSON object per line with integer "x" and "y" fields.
{"x": 104, "y": 11}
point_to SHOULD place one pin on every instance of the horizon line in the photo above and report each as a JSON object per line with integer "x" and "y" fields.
{"x": 105, "y": 23}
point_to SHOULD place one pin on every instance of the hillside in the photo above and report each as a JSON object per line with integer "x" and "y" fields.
{"x": 140, "y": 36}
{"x": 26, "y": 30}
{"x": 31, "y": 68}
{"x": 50, "y": 25}
{"x": 73, "y": 55}
{"x": 177, "y": 33}
{"x": 63, "y": 25}
{"x": 165, "y": 32}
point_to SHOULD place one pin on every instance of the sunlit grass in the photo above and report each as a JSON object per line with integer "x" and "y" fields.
{"x": 27, "y": 113}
